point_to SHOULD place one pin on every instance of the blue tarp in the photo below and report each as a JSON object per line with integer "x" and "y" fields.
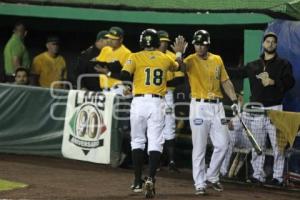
{"x": 288, "y": 33}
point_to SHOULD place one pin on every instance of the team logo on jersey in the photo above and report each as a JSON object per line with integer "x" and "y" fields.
{"x": 218, "y": 72}
{"x": 198, "y": 122}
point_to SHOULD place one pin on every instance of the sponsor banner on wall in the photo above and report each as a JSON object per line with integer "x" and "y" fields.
{"x": 87, "y": 129}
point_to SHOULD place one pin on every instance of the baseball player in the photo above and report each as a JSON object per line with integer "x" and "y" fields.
{"x": 270, "y": 78}
{"x": 115, "y": 56}
{"x": 148, "y": 68}
{"x": 206, "y": 74}
{"x": 173, "y": 79}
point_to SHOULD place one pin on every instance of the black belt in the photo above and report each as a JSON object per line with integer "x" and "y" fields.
{"x": 254, "y": 110}
{"x": 208, "y": 100}
{"x": 153, "y": 95}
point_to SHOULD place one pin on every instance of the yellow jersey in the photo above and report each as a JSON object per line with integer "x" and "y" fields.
{"x": 205, "y": 76}
{"x": 171, "y": 75}
{"x": 109, "y": 55}
{"x": 49, "y": 69}
{"x": 149, "y": 69}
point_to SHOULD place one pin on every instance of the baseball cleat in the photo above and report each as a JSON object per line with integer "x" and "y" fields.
{"x": 255, "y": 181}
{"x": 173, "y": 168}
{"x": 137, "y": 187}
{"x": 216, "y": 186}
{"x": 200, "y": 191}
{"x": 149, "y": 188}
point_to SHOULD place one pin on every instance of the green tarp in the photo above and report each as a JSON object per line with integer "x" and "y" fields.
{"x": 26, "y": 125}
{"x": 32, "y": 122}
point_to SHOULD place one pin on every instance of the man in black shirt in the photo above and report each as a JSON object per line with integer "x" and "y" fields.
{"x": 270, "y": 78}
{"x": 87, "y": 76}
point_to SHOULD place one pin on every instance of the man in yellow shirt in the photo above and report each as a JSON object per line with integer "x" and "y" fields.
{"x": 206, "y": 74}
{"x": 115, "y": 56}
{"x": 148, "y": 68}
{"x": 50, "y": 66}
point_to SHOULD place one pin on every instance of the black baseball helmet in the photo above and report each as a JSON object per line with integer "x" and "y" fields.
{"x": 201, "y": 37}
{"x": 149, "y": 38}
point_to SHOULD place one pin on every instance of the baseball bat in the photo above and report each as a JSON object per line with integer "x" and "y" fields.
{"x": 250, "y": 136}
{"x": 234, "y": 165}
{"x": 242, "y": 160}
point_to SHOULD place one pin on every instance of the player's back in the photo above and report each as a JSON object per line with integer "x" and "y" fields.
{"x": 149, "y": 69}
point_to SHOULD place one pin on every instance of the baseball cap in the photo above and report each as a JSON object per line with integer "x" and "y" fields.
{"x": 163, "y": 35}
{"x": 270, "y": 34}
{"x": 101, "y": 35}
{"x": 53, "y": 39}
{"x": 115, "y": 33}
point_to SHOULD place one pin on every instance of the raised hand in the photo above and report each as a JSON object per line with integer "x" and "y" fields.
{"x": 179, "y": 45}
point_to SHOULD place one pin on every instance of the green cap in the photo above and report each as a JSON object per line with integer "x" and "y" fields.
{"x": 115, "y": 33}
{"x": 101, "y": 35}
{"x": 163, "y": 35}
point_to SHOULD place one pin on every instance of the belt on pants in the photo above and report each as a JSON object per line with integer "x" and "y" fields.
{"x": 254, "y": 113}
{"x": 254, "y": 110}
{"x": 152, "y": 95}
{"x": 208, "y": 100}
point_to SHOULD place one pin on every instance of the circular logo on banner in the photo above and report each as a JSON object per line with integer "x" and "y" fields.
{"x": 89, "y": 122}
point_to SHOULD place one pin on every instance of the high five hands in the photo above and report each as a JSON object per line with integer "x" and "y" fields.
{"x": 179, "y": 46}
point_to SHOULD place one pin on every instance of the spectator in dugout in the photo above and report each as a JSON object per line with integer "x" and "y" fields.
{"x": 87, "y": 62}
{"x": 21, "y": 76}
{"x": 15, "y": 52}
{"x": 50, "y": 66}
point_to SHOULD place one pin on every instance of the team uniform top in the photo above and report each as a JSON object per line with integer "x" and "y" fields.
{"x": 205, "y": 76}
{"x": 109, "y": 55}
{"x": 49, "y": 69}
{"x": 149, "y": 69}
{"x": 171, "y": 74}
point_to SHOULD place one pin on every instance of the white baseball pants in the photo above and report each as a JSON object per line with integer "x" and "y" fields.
{"x": 261, "y": 126}
{"x": 169, "y": 129}
{"x": 207, "y": 119}
{"x": 147, "y": 121}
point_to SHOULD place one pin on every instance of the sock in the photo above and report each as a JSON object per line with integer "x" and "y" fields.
{"x": 154, "y": 159}
{"x": 170, "y": 144}
{"x": 137, "y": 161}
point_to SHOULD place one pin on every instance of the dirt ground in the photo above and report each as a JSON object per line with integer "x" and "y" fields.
{"x": 55, "y": 178}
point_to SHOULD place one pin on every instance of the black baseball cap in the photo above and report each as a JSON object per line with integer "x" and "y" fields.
{"x": 270, "y": 34}
{"x": 53, "y": 39}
